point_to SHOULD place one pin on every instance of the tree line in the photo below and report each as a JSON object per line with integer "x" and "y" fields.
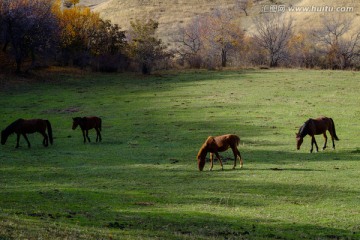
{"x": 37, "y": 33}
{"x": 216, "y": 40}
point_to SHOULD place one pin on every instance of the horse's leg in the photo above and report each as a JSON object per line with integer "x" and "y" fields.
{"x": 332, "y": 139}
{"x": 27, "y": 140}
{"x": 17, "y": 140}
{"x": 99, "y": 132}
{"x": 83, "y": 132}
{"x": 312, "y": 142}
{"x": 87, "y": 135}
{"x": 46, "y": 139}
{"x": 236, "y": 153}
{"x": 211, "y": 161}
{"x": 241, "y": 161}
{"x": 325, "y": 137}
{"x": 218, "y": 157}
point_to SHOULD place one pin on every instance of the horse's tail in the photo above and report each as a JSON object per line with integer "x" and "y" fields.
{"x": 237, "y": 138}
{"x": 100, "y": 123}
{"x": 49, "y": 128}
{"x": 333, "y": 130}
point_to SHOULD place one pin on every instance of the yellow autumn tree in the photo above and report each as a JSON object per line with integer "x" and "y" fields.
{"x": 303, "y": 50}
{"x": 84, "y": 35}
{"x": 78, "y": 25}
{"x": 222, "y": 34}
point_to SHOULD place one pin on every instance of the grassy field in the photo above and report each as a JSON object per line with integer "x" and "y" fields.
{"x": 142, "y": 181}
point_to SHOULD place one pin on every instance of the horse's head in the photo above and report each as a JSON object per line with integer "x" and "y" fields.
{"x": 4, "y": 137}
{"x": 299, "y": 141}
{"x": 75, "y": 123}
{"x": 201, "y": 162}
{"x": 201, "y": 157}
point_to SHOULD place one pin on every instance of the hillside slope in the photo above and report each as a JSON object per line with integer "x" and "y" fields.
{"x": 174, "y": 13}
{"x": 92, "y": 3}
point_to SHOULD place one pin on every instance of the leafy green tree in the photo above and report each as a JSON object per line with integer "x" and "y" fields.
{"x": 108, "y": 38}
{"x": 144, "y": 47}
{"x": 27, "y": 28}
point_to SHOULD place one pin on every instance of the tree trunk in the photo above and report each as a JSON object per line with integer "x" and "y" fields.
{"x": 145, "y": 69}
{"x": 223, "y": 58}
{"x": 18, "y": 60}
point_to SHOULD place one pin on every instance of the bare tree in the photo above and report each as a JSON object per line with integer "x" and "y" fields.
{"x": 210, "y": 39}
{"x": 224, "y": 33}
{"x": 190, "y": 43}
{"x": 341, "y": 46}
{"x": 244, "y": 5}
{"x": 273, "y": 33}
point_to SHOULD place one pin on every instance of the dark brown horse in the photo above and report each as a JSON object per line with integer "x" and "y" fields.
{"x": 22, "y": 127}
{"x": 87, "y": 123}
{"x": 214, "y": 145}
{"x": 315, "y": 127}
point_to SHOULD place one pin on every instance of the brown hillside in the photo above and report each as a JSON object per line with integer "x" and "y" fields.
{"x": 174, "y": 13}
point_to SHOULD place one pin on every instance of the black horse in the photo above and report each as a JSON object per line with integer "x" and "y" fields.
{"x": 87, "y": 123}
{"x": 22, "y": 127}
{"x": 315, "y": 127}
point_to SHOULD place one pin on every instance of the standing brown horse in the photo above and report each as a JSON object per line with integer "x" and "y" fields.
{"x": 22, "y": 127}
{"x": 87, "y": 123}
{"x": 315, "y": 127}
{"x": 219, "y": 144}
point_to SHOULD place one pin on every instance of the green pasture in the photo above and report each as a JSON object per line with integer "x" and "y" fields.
{"x": 142, "y": 181}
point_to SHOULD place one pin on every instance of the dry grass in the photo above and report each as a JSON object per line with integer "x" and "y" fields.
{"x": 306, "y": 20}
{"x": 171, "y": 14}
{"x": 175, "y": 13}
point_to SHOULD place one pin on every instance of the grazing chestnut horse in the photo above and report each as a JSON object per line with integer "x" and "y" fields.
{"x": 87, "y": 123}
{"x": 214, "y": 145}
{"x": 315, "y": 127}
{"x": 22, "y": 127}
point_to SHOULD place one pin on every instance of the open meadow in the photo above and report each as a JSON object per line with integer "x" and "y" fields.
{"x": 142, "y": 181}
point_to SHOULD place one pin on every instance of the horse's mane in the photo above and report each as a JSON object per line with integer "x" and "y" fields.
{"x": 10, "y": 129}
{"x": 304, "y": 129}
{"x": 202, "y": 150}
{"x": 80, "y": 120}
